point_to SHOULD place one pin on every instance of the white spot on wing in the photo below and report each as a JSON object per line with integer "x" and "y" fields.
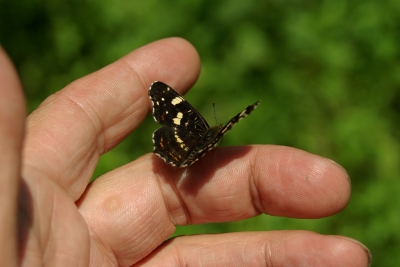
{"x": 178, "y": 139}
{"x": 177, "y": 100}
{"x": 178, "y": 118}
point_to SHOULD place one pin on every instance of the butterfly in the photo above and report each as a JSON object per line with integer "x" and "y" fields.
{"x": 185, "y": 136}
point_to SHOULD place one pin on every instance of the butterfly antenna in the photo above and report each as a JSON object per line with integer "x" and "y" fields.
{"x": 215, "y": 114}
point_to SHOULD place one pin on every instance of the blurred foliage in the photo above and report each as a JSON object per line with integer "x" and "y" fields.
{"x": 327, "y": 72}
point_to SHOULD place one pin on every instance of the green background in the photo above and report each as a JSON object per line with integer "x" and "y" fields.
{"x": 327, "y": 72}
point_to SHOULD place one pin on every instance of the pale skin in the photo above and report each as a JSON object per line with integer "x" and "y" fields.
{"x": 125, "y": 216}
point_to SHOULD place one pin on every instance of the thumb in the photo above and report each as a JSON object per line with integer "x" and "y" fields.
{"x": 12, "y": 117}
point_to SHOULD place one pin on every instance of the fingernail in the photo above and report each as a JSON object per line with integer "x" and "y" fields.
{"x": 367, "y": 251}
{"x": 344, "y": 170}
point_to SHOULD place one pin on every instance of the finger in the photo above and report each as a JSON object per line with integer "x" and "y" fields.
{"x": 72, "y": 128}
{"x": 139, "y": 205}
{"x": 279, "y": 248}
{"x": 12, "y": 117}
{"x": 247, "y": 181}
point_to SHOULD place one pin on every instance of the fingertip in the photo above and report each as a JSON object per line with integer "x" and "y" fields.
{"x": 341, "y": 181}
{"x": 327, "y": 250}
{"x": 300, "y": 184}
{"x": 357, "y": 248}
{"x": 173, "y": 60}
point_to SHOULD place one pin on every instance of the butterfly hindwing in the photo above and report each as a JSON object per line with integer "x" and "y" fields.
{"x": 185, "y": 135}
{"x": 174, "y": 147}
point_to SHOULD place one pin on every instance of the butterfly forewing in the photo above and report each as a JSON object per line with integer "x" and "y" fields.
{"x": 185, "y": 136}
{"x": 238, "y": 117}
{"x": 171, "y": 109}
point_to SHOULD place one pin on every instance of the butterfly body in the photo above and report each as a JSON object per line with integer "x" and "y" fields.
{"x": 185, "y": 135}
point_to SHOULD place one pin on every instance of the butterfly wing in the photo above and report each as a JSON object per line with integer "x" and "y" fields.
{"x": 223, "y": 130}
{"x": 172, "y": 110}
{"x": 174, "y": 146}
{"x": 183, "y": 129}
{"x": 213, "y": 135}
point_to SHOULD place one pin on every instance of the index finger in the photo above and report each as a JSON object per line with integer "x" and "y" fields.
{"x": 71, "y": 129}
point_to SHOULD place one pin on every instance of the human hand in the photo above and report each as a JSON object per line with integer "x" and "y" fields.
{"x": 124, "y": 217}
